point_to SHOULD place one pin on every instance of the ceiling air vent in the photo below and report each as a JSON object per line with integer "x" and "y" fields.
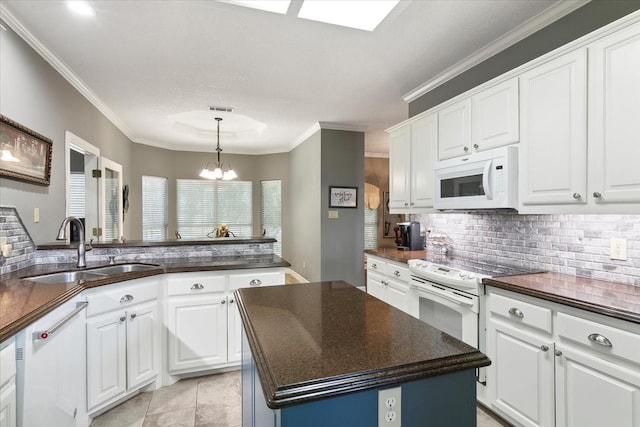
{"x": 224, "y": 109}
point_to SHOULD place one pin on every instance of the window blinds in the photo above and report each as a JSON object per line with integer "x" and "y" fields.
{"x": 154, "y": 208}
{"x": 271, "y": 212}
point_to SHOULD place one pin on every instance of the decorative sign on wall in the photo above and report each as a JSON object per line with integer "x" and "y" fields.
{"x": 343, "y": 197}
{"x": 25, "y": 155}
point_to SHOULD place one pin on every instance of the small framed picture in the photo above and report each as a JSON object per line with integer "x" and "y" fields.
{"x": 343, "y": 197}
{"x": 25, "y": 155}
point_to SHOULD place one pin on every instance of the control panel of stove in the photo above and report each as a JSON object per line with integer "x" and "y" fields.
{"x": 443, "y": 273}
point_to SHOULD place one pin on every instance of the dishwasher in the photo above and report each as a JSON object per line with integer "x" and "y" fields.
{"x": 51, "y": 374}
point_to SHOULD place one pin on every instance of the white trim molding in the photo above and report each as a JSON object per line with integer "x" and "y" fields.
{"x": 546, "y": 17}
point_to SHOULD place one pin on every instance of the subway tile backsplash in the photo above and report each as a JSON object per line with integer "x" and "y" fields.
{"x": 570, "y": 244}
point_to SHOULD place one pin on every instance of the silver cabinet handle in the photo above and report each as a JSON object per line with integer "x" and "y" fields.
{"x": 516, "y": 312}
{"x": 197, "y": 286}
{"x": 231, "y": 301}
{"x": 577, "y": 196}
{"x": 374, "y": 266}
{"x": 558, "y": 353}
{"x": 43, "y": 335}
{"x": 544, "y": 347}
{"x": 396, "y": 273}
{"x": 475, "y": 146}
{"x": 466, "y": 149}
{"x": 123, "y": 318}
{"x": 600, "y": 339}
{"x": 406, "y": 204}
{"x": 597, "y": 195}
{"x": 223, "y": 301}
{"x": 255, "y": 282}
{"x": 126, "y": 298}
{"x": 133, "y": 315}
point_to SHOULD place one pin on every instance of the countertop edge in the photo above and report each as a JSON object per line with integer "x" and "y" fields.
{"x": 161, "y": 243}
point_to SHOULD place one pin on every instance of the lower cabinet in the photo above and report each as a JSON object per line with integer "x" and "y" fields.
{"x": 389, "y": 282}
{"x": 8, "y": 410}
{"x": 556, "y": 366}
{"x": 123, "y": 341}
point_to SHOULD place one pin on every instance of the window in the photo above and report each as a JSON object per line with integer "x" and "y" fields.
{"x": 76, "y": 194}
{"x": 271, "y": 212}
{"x": 203, "y": 205}
{"x": 154, "y": 208}
{"x": 370, "y": 228}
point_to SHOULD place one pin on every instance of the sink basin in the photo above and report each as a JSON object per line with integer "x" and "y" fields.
{"x": 94, "y": 273}
{"x": 122, "y": 268}
{"x": 65, "y": 277}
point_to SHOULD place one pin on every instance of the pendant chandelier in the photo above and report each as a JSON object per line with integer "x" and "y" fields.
{"x": 220, "y": 170}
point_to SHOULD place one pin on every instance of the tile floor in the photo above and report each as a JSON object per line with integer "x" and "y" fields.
{"x": 212, "y": 401}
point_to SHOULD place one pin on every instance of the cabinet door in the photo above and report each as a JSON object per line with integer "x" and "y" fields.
{"x": 106, "y": 357}
{"x": 197, "y": 332}
{"x": 553, "y": 145}
{"x": 400, "y": 168}
{"x": 8, "y": 404}
{"x": 593, "y": 392}
{"x": 376, "y": 285}
{"x": 143, "y": 342}
{"x": 494, "y": 116}
{"x": 520, "y": 379}
{"x": 234, "y": 337}
{"x": 614, "y": 88}
{"x": 454, "y": 130}
{"x": 397, "y": 294}
{"x": 424, "y": 140}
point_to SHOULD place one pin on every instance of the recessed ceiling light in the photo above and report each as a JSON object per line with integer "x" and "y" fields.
{"x": 276, "y": 6}
{"x": 359, "y": 14}
{"x": 80, "y": 7}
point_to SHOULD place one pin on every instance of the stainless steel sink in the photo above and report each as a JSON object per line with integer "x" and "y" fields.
{"x": 65, "y": 277}
{"x": 122, "y": 268}
{"x": 92, "y": 274}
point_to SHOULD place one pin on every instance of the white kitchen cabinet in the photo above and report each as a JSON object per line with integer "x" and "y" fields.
{"x": 123, "y": 340}
{"x": 412, "y": 153}
{"x": 494, "y": 116}
{"x": 454, "y": 130}
{"x": 8, "y": 410}
{"x": 553, "y": 149}
{"x": 389, "y": 282}
{"x": 614, "y": 91}
{"x": 557, "y": 366}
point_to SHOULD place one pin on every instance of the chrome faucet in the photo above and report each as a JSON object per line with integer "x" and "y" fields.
{"x": 82, "y": 249}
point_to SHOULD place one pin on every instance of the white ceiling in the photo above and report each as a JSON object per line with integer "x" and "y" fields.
{"x": 143, "y": 61}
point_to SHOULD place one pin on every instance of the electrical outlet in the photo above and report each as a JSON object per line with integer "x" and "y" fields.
{"x": 389, "y": 407}
{"x": 619, "y": 249}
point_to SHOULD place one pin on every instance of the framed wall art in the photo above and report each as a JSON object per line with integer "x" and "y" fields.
{"x": 343, "y": 197}
{"x": 25, "y": 155}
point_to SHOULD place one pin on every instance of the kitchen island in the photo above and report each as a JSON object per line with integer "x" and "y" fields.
{"x": 317, "y": 354}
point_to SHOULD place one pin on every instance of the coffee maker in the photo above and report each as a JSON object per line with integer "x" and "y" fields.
{"x": 408, "y": 236}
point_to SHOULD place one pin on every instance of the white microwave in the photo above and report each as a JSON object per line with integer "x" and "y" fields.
{"x": 484, "y": 180}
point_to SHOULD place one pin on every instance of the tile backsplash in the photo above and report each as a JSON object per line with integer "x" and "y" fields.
{"x": 12, "y": 228}
{"x": 570, "y": 244}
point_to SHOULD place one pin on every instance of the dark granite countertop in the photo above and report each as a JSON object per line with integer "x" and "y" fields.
{"x": 318, "y": 340}
{"x": 23, "y": 301}
{"x": 156, "y": 243}
{"x": 610, "y": 299}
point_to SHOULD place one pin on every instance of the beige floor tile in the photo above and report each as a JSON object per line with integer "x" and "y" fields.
{"x": 180, "y": 395}
{"x": 176, "y": 418}
{"x": 485, "y": 420}
{"x": 211, "y": 388}
{"x": 219, "y": 415}
{"x": 128, "y": 414}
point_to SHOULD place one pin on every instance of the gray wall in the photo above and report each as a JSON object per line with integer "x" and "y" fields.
{"x": 33, "y": 94}
{"x": 304, "y": 250}
{"x": 342, "y": 241}
{"x": 584, "y": 20}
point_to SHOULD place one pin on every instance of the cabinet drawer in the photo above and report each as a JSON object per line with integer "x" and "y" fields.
{"x": 375, "y": 264}
{"x": 258, "y": 277}
{"x": 195, "y": 283}
{"x": 7, "y": 361}
{"x": 122, "y": 295}
{"x": 520, "y": 312}
{"x": 397, "y": 271}
{"x": 596, "y": 336}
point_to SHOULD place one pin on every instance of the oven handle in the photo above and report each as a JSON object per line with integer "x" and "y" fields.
{"x": 445, "y": 295}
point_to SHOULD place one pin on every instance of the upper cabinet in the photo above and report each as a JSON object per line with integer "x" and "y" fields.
{"x": 454, "y": 131}
{"x": 614, "y": 122}
{"x": 553, "y": 151}
{"x": 494, "y": 116}
{"x": 412, "y": 153}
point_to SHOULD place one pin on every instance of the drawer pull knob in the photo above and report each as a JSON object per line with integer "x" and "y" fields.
{"x": 476, "y": 146}
{"x": 577, "y": 196}
{"x": 123, "y": 318}
{"x": 255, "y": 282}
{"x": 466, "y": 149}
{"x": 223, "y": 302}
{"x": 516, "y": 312}
{"x": 133, "y": 315}
{"x": 597, "y": 195}
{"x": 197, "y": 286}
{"x": 544, "y": 347}
{"x": 126, "y": 298}
{"x": 600, "y": 339}
{"x": 231, "y": 301}
{"x": 558, "y": 353}
{"x": 396, "y": 273}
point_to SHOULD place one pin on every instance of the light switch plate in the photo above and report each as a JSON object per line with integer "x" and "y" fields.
{"x": 333, "y": 214}
{"x": 36, "y": 214}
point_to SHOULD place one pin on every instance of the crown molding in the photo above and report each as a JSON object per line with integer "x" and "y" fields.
{"x": 544, "y": 18}
{"x": 63, "y": 69}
